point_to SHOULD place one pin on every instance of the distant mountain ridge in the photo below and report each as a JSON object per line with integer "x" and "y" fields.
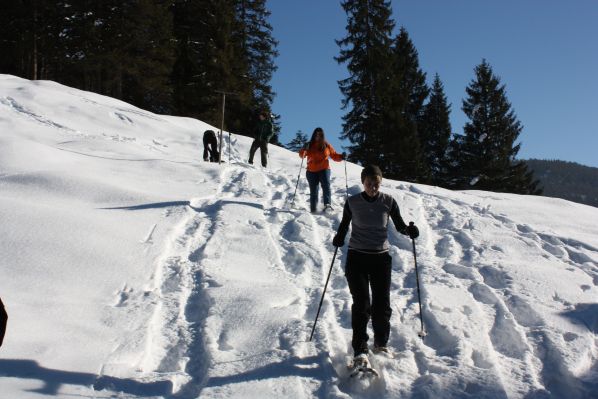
{"x": 567, "y": 180}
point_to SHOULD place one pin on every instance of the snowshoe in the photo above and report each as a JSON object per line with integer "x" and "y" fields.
{"x": 361, "y": 366}
{"x": 382, "y": 350}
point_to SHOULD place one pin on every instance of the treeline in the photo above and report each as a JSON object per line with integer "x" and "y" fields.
{"x": 170, "y": 57}
{"x": 567, "y": 180}
{"x": 394, "y": 119}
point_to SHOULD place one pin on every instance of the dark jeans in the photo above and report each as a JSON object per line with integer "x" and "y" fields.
{"x": 3, "y": 320}
{"x": 315, "y": 179}
{"x": 263, "y": 146}
{"x": 364, "y": 271}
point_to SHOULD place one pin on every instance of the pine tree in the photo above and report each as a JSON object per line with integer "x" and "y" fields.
{"x": 367, "y": 52}
{"x": 407, "y": 91}
{"x": 258, "y": 48}
{"x": 487, "y": 150}
{"x": 223, "y": 45}
{"x": 136, "y": 53}
{"x": 298, "y": 141}
{"x": 205, "y": 57}
{"x": 255, "y": 50}
{"x": 148, "y": 51}
{"x": 30, "y": 38}
{"x": 118, "y": 48}
{"x": 435, "y": 133}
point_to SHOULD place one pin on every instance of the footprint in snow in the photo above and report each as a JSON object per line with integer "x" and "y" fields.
{"x": 495, "y": 278}
{"x": 459, "y": 271}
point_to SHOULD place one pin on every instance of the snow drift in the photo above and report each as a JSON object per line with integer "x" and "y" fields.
{"x": 130, "y": 267}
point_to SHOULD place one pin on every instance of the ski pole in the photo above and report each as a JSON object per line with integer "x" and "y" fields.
{"x": 323, "y": 293}
{"x": 422, "y": 332}
{"x": 297, "y": 185}
{"x": 230, "y": 144}
{"x": 346, "y": 182}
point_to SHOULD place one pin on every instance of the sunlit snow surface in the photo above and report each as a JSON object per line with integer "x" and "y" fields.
{"x": 131, "y": 268}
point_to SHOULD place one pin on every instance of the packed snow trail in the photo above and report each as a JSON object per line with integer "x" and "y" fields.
{"x": 152, "y": 274}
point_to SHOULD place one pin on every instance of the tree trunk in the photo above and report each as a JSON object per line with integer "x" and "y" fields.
{"x": 34, "y": 30}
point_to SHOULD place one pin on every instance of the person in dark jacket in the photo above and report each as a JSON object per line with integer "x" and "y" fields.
{"x": 368, "y": 261}
{"x": 3, "y": 321}
{"x": 210, "y": 146}
{"x": 262, "y": 136}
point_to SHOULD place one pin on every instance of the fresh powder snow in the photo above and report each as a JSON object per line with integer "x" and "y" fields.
{"x": 130, "y": 267}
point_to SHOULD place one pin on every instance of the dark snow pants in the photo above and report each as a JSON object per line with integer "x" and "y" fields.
{"x": 210, "y": 147}
{"x": 364, "y": 271}
{"x": 263, "y": 146}
{"x": 3, "y": 320}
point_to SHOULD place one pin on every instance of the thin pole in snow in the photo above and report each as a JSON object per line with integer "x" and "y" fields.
{"x": 323, "y": 293}
{"x": 346, "y": 182}
{"x": 422, "y": 332}
{"x": 298, "y": 177}
{"x": 224, "y": 93}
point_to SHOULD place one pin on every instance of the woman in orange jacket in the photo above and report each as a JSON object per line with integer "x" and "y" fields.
{"x": 318, "y": 150}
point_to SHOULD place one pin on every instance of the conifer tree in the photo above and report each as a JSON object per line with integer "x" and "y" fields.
{"x": 258, "y": 48}
{"x": 487, "y": 150}
{"x": 366, "y": 49}
{"x": 30, "y": 38}
{"x": 407, "y": 91}
{"x": 255, "y": 51}
{"x": 118, "y": 48}
{"x": 435, "y": 133}
{"x": 298, "y": 141}
{"x": 205, "y": 57}
{"x": 223, "y": 45}
{"x": 137, "y": 52}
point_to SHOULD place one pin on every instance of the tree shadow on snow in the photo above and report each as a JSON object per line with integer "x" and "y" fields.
{"x": 168, "y": 204}
{"x": 155, "y": 205}
{"x": 308, "y": 367}
{"x": 54, "y": 379}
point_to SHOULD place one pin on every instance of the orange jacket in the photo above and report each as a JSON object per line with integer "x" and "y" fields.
{"x": 317, "y": 159}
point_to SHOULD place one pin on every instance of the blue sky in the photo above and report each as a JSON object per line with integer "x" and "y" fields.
{"x": 544, "y": 51}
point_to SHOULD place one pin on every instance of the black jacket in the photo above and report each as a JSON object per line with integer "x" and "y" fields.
{"x": 3, "y": 320}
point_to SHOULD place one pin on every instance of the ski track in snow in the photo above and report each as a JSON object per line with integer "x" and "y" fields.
{"x": 223, "y": 322}
{"x": 198, "y": 268}
{"x": 213, "y": 334}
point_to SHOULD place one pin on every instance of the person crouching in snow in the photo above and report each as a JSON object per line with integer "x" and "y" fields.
{"x": 318, "y": 150}
{"x": 368, "y": 261}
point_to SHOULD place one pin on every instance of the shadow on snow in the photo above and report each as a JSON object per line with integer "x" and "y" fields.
{"x": 168, "y": 204}
{"x": 54, "y": 379}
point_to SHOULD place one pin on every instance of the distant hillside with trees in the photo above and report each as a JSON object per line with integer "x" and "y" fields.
{"x": 567, "y": 180}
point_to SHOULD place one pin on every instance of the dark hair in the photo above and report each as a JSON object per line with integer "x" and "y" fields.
{"x": 370, "y": 171}
{"x": 313, "y": 138}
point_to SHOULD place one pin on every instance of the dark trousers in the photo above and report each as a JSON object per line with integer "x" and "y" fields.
{"x": 315, "y": 179}
{"x": 263, "y": 146}
{"x": 210, "y": 148}
{"x": 364, "y": 271}
{"x": 3, "y": 320}
{"x": 211, "y": 153}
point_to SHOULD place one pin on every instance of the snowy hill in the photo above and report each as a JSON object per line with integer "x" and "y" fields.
{"x": 131, "y": 268}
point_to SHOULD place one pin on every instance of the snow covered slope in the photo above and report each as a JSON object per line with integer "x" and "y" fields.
{"x": 131, "y": 268}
